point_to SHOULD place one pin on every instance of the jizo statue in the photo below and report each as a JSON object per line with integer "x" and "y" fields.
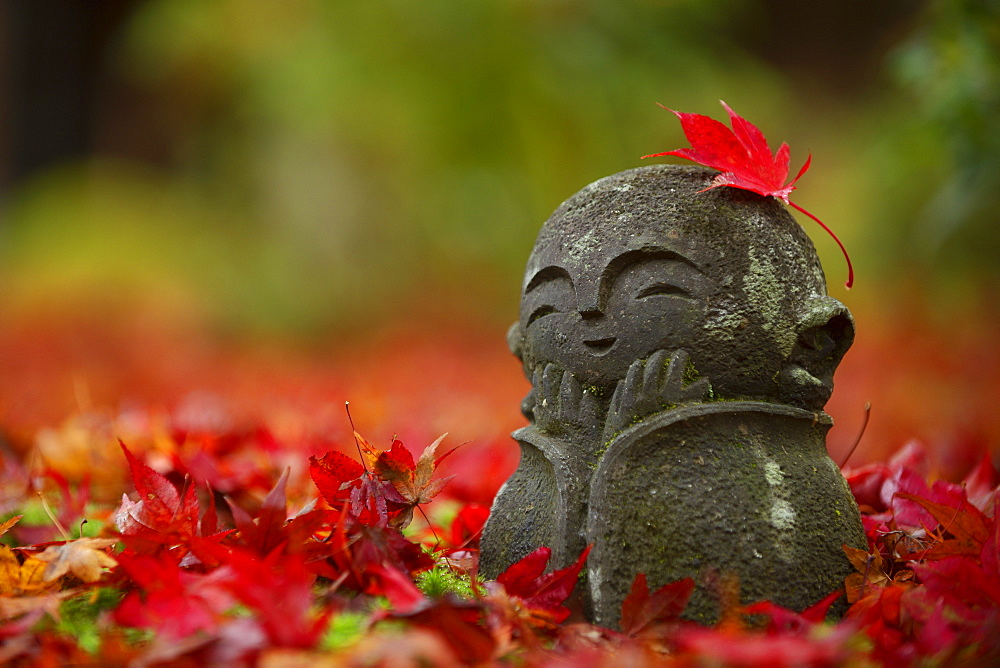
{"x": 681, "y": 346}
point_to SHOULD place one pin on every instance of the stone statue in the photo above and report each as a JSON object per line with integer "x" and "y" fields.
{"x": 681, "y": 346}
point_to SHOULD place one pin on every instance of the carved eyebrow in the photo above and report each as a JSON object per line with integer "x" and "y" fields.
{"x": 549, "y": 273}
{"x": 629, "y": 258}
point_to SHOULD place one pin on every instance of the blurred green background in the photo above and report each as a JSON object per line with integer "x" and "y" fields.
{"x": 310, "y": 167}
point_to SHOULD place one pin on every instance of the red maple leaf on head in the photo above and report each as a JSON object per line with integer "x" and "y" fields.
{"x": 745, "y": 160}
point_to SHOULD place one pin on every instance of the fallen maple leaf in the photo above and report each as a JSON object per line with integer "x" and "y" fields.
{"x": 279, "y": 589}
{"x": 745, "y": 160}
{"x": 542, "y": 595}
{"x": 467, "y": 526}
{"x": 333, "y": 475}
{"x": 18, "y": 577}
{"x": 459, "y": 623}
{"x": 870, "y": 576}
{"x": 84, "y": 557}
{"x": 160, "y": 508}
{"x": 386, "y": 487}
{"x": 398, "y": 587}
{"x": 47, "y": 603}
{"x": 413, "y": 482}
{"x": 7, "y": 524}
{"x": 268, "y": 531}
{"x": 172, "y": 601}
{"x": 880, "y": 616}
{"x": 964, "y": 521}
{"x": 783, "y": 620}
{"x": 982, "y": 484}
{"x": 643, "y": 613}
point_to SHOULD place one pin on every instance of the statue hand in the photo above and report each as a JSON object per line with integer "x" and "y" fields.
{"x": 562, "y": 404}
{"x": 650, "y": 386}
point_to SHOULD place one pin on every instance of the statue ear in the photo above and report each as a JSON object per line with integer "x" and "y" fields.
{"x": 515, "y": 340}
{"x": 824, "y": 332}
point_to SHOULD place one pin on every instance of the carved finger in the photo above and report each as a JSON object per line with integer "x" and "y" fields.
{"x": 590, "y": 408}
{"x": 615, "y": 420}
{"x": 672, "y": 388}
{"x": 649, "y": 399}
{"x": 551, "y": 377}
{"x": 632, "y": 386}
{"x": 616, "y": 400}
{"x": 654, "y": 370}
{"x": 569, "y": 397}
{"x": 542, "y": 407}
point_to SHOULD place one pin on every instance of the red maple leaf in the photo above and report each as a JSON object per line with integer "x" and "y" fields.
{"x": 541, "y": 595}
{"x": 346, "y": 484}
{"x": 413, "y": 481}
{"x": 170, "y": 600}
{"x": 279, "y": 589}
{"x": 385, "y": 487}
{"x": 354, "y": 547}
{"x": 784, "y": 621}
{"x": 467, "y": 526}
{"x": 163, "y": 517}
{"x": 643, "y": 613}
{"x": 459, "y": 623}
{"x": 268, "y": 532}
{"x": 398, "y": 587}
{"x": 160, "y": 507}
{"x": 745, "y": 160}
{"x": 969, "y": 526}
{"x": 333, "y": 474}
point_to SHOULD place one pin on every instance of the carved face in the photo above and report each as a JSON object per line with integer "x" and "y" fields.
{"x": 648, "y": 260}
{"x": 597, "y": 316}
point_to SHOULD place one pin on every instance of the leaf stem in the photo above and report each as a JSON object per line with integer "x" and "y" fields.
{"x": 861, "y": 433}
{"x": 437, "y": 539}
{"x": 850, "y": 267}
{"x": 361, "y": 456}
{"x": 55, "y": 520}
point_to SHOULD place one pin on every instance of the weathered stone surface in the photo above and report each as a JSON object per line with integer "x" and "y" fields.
{"x": 733, "y": 486}
{"x": 681, "y": 347}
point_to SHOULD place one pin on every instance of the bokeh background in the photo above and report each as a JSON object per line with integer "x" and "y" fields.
{"x": 245, "y": 211}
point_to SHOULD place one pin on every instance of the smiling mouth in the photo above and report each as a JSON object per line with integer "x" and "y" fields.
{"x": 600, "y": 346}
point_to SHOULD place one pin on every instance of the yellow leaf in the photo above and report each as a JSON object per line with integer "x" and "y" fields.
{"x": 10, "y": 571}
{"x": 18, "y": 578}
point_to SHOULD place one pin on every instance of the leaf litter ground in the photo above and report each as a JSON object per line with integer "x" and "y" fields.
{"x": 200, "y": 539}
{"x": 180, "y": 572}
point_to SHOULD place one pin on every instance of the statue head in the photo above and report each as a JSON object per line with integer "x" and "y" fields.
{"x": 648, "y": 260}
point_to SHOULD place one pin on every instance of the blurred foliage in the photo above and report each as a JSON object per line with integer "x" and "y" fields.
{"x": 324, "y": 163}
{"x": 951, "y": 68}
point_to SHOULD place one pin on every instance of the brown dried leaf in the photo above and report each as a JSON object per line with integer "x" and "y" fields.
{"x": 15, "y": 606}
{"x": 84, "y": 557}
{"x": 869, "y": 573}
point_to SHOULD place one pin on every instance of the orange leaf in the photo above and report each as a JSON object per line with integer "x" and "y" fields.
{"x": 5, "y": 526}
{"x": 869, "y": 573}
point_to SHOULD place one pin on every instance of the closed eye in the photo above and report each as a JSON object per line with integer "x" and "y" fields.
{"x": 662, "y": 289}
{"x": 541, "y": 312}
